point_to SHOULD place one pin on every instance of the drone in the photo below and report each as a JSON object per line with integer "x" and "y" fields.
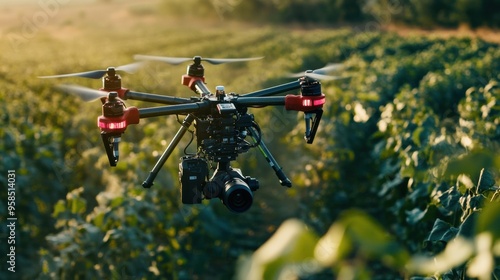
{"x": 223, "y": 127}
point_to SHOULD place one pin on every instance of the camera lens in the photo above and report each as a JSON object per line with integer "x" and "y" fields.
{"x": 238, "y": 196}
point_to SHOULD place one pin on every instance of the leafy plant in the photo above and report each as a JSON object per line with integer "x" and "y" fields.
{"x": 357, "y": 247}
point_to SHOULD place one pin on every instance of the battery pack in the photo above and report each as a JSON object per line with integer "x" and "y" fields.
{"x": 193, "y": 173}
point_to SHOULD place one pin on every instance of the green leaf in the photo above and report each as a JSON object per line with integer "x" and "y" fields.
{"x": 486, "y": 182}
{"x": 416, "y": 215}
{"x": 440, "y": 235}
{"x": 482, "y": 265}
{"x": 333, "y": 246}
{"x": 372, "y": 240}
{"x": 472, "y": 163}
{"x": 78, "y": 205}
{"x": 489, "y": 220}
{"x": 458, "y": 251}
{"x": 98, "y": 219}
{"x": 293, "y": 243}
{"x": 407, "y": 171}
{"x": 416, "y": 135}
{"x": 117, "y": 201}
{"x": 442, "y": 231}
{"x": 466, "y": 229}
{"x": 388, "y": 186}
{"x": 59, "y": 208}
{"x": 449, "y": 200}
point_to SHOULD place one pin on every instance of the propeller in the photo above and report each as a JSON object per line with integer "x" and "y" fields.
{"x": 97, "y": 74}
{"x": 86, "y": 94}
{"x": 321, "y": 73}
{"x": 196, "y": 59}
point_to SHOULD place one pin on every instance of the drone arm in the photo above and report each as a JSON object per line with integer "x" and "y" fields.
{"x": 290, "y": 101}
{"x": 148, "y": 97}
{"x": 274, "y": 90}
{"x": 173, "y": 109}
{"x": 261, "y": 101}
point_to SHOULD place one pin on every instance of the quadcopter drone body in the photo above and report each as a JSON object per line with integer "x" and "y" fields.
{"x": 223, "y": 127}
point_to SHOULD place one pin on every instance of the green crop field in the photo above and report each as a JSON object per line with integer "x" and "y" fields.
{"x": 401, "y": 181}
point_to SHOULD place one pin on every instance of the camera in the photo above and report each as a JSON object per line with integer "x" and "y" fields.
{"x": 227, "y": 183}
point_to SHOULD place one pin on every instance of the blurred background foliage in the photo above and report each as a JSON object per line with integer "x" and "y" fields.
{"x": 404, "y": 167}
{"x": 428, "y": 13}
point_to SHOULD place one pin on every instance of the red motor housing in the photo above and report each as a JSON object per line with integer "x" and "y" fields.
{"x": 118, "y": 124}
{"x": 115, "y": 117}
{"x": 304, "y": 103}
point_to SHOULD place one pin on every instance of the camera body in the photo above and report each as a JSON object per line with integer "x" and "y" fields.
{"x": 227, "y": 184}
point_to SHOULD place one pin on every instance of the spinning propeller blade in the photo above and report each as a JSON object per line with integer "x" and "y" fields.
{"x": 328, "y": 68}
{"x": 320, "y": 74}
{"x": 86, "y": 94}
{"x": 97, "y": 74}
{"x": 169, "y": 60}
{"x": 130, "y": 68}
{"x": 179, "y": 60}
{"x": 322, "y": 77}
{"x": 216, "y": 61}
